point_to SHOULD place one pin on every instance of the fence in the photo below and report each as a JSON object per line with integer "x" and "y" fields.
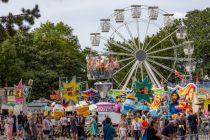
{"x": 201, "y": 136}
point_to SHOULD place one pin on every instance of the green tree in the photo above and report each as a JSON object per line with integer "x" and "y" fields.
{"x": 49, "y": 52}
{"x": 198, "y": 27}
{"x": 11, "y": 23}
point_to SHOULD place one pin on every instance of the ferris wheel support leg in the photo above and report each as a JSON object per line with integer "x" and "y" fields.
{"x": 130, "y": 74}
{"x": 152, "y": 74}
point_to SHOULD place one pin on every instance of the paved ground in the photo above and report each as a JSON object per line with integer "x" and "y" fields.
{"x": 3, "y": 138}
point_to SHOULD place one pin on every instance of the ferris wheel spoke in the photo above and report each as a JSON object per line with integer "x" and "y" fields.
{"x": 165, "y": 49}
{"x": 142, "y": 72}
{"x": 123, "y": 67}
{"x": 131, "y": 36}
{"x": 138, "y": 32}
{"x": 115, "y": 81}
{"x": 118, "y": 45}
{"x": 161, "y": 65}
{"x": 169, "y": 58}
{"x": 156, "y": 71}
{"x": 152, "y": 73}
{"x": 122, "y": 37}
{"x": 137, "y": 67}
{"x": 162, "y": 40}
{"x": 124, "y": 78}
{"x": 120, "y": 54}
{"x": 150, "y": 76}
{"x": 149, "y": 42}
{"x": 130, "y": 75}
{"x": 147, "y": 29}
{"x": 126, "y": 59}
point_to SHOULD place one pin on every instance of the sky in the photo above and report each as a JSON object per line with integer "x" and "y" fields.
{"x": 84, "y": 15}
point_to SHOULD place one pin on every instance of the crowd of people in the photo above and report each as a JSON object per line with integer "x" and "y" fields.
{"x": 76, "y": 126}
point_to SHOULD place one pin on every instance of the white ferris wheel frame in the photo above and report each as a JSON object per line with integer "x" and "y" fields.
{"x": 134, "y": 47}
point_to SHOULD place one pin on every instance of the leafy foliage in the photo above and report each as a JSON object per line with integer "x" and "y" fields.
{"x": 11, "y": 23}
{"x": 198, "y": 27}
{"x": 49, "y": 52}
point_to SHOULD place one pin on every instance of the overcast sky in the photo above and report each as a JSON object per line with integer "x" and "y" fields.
{"x": 84, "y": 15}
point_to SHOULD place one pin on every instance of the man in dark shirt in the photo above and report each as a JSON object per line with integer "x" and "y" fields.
{"x": 20, "y": 124}
{"x": 152, "y": 133}
{"x": 170, "y": 130}
{"x": 193, "y": 123}
{"x": 108, "y": 130}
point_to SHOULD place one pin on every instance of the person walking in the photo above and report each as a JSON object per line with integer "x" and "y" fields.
{"x": 33, "y": 128}
{"x": 39, "y": 126}
{"x": 80, "y": 127}
{"x": 64, "y": 125}
{"x": 9, "y": 126}
{"x": 14, "y": 129}
{"x": 68, "y": 129}
{"x": 144, "y": 125}
{"x": 123, "y": 128}
{"x": 170, "y": 130}
{"x": 93, "y": 128}
{"x": 136, "y": 127}
{"x": 108, "y": 130}
{"x": 46, "y": 127}
{"x": 152, "y": 132}
{"x": 193, "y": 124}
{"x": 181, "y": 126}
{"x": 20, "y": 125}
{"x": 74, "y": 122}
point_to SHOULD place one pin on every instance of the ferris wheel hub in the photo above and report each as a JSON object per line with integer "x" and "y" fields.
{"x": 141, "y": 55}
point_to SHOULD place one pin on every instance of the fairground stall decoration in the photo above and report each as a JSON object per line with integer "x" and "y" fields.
{"x": 71, "y": 92}
{"x": 10, "y": 93}
{"x": 105, "y": 107}
{"x": 57, "y": 111}
{"x": 129, "y": 103}
{"x": 184, "y": 99}
{"x": 56, "y": 96}
{"x": 19, "y": 95}
{"x": 91, "y": 95}
{"x": 143, "y": 90}
{"x": 101, "y": 67}
{"x": 206, "y": 107}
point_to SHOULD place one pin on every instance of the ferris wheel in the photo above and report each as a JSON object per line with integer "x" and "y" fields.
{"x": 140, "y": 38}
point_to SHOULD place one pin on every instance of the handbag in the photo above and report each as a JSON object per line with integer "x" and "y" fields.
{"x": 46, "y": 132}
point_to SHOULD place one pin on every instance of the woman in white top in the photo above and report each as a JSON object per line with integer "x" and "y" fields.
{"x": 136, "y": 126}
{"x": 123, "y": 128}
{"x": 9, "y": 126}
